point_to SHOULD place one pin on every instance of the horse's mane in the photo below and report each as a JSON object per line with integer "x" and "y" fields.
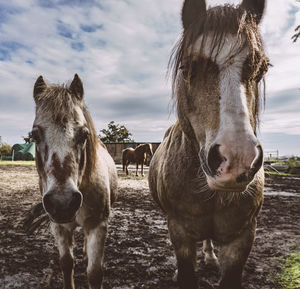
{"x": 218, "y": 22}
{"x": 58, "y": 102}
{"x": 141, "y": 146}
{"x": 93, "y": 140}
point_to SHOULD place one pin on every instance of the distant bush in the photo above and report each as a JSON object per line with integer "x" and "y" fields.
{"x": 5, "y": 149}
{"x": 293, "y": 163}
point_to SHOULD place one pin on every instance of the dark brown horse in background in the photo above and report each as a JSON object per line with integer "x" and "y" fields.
{"x": 207, "y": 174}
{"x": 137, "y": 155}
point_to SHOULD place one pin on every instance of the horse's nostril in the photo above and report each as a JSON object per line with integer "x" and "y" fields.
{"x": 49, "y": 204}
{"x": 214, "y": 158}
{"x": 258, "y": 161}
{"x": 76, "y": 201}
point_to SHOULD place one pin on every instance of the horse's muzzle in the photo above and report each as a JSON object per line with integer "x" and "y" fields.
{"x": 231, "y": 172}
{"x": 62, "y": 206}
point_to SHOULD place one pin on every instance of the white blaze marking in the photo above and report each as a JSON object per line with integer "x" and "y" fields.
{"x": 58, "y": 141}
{"x": 234, "y": 115}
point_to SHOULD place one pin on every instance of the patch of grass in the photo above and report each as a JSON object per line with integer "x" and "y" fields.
{"x": 289, "y": 278}
{"x": 280, "y": 174}
{"x": 18, "y": 163}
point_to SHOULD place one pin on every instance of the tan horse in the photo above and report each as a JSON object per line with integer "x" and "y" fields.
{"x": 207, "y": 174}
{"x": 77, "y": 176}
{"x": 137, "y": 156}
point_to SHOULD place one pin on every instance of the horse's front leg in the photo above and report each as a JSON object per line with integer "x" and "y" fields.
{"x": 64, "y": 240}
{"x": 185, "y": 250}
{"x": 95, "y": 240}
{"x": 232, "y": 258}
{"x": 209, "y": 255}
{"x": 136, "y": 170}
{"x": 142, "y": 169}
{"x": 126, "y": 167}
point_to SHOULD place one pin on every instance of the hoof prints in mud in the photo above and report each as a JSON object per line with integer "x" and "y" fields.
{"x": 138, "y": 252}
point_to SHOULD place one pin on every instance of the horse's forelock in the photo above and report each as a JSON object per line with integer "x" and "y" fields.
{"x": 59, "y": 103}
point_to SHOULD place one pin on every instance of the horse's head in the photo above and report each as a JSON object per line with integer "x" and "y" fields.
{"x": 149, "y": 149}
{"x": 218, "y": 65}
{"x": 61, "y": 132}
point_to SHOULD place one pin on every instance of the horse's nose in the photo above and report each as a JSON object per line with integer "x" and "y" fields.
{"x": 62, "y": 206}
{"x": 233, "y": 168}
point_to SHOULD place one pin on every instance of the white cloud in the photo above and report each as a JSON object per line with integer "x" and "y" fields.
{"x": 122, "y": 54}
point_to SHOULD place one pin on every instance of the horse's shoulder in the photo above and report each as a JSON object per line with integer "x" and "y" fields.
{"x": 168, "y": 131}
{"x": 175, "y": 151}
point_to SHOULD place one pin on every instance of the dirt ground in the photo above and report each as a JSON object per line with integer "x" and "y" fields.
{"x": 138, "y": 252}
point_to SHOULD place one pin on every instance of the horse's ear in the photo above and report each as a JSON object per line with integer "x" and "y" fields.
{"x": 76, "y": 87}
{"x": 255, "y": 7}
{"x": 39, "y": 87}
{"x": 191, "y": 11}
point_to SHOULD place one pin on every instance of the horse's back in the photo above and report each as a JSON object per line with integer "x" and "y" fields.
{"x": 125, "y": 151}
{"x": 128, "y": 154}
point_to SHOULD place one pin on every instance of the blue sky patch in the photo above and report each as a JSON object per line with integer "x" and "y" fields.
{"x": 7, "y": 48}
{"x": 4, "y": 54}
{"x": 292, "y": 16}
{"x": 6, "y": 11}
{"x": 65, "y": 30}
{"x": 56, "y": 3}
{"x": 101, "y": 43}
{"x": 91, "y": 28}
{"x": 78, "y": 46}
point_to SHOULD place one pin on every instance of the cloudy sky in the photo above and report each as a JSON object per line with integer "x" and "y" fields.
{"x": 120, "y": 49}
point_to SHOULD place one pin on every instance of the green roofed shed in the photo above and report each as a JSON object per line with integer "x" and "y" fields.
{"x": 24, "y": 152}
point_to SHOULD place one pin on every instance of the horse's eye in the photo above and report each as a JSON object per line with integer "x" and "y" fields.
{"x": 188, "y": 71}
{"x": 36, "y": 135}
{"x": 82, "y": 136}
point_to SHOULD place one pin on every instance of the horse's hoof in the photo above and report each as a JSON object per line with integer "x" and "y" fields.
{"x": 143, "y": 175}
{"x": 212, "y": 261}
{"x": 174, "y": 278}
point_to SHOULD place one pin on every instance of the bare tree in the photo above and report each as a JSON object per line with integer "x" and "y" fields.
{"x": 297, "y": 34}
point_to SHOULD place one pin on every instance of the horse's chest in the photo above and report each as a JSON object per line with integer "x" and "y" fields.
{"x": 206, "y": 219}
{"x": 230, "y": 221}
{"x": 195, "y": 216}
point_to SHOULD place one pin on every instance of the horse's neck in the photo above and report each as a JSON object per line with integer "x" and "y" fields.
{"x": 140, "y": 149}
{"x": 182, "y": 144}
{"x": 91, "y": 167}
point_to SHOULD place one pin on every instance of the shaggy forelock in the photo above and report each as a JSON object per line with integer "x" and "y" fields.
{"x": 218, "y": 22}
{"x": 58, "y": 102}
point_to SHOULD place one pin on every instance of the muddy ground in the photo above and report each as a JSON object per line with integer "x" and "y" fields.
{"x": 138, "y": 252}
